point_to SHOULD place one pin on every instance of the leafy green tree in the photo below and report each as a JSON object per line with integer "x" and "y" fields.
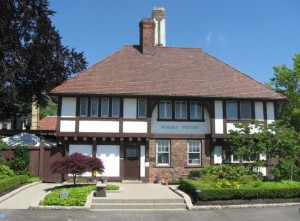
{"x": 32, "y": 58}
{"x": 286, "y": 81}
{"x": 20, "y": 161}
{"x": 50, "y": 109}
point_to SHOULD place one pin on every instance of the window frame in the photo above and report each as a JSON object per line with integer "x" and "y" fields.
{"x": 86, "y": 107}
{"x": 106, "y": 115}
{"x": 113, "y": 107}
{"x": 165, "y": 109}
{"x": 201, "y": 117}
{"x": 181, "y": 117}
{"x": 250, "y": 111}
{"x": 163, "y": 152}
{"x": 188, "y": 152}
{"x": 236, "y": 107}
{"x": 91, "y": 107}
{"x": 138, "y": 108}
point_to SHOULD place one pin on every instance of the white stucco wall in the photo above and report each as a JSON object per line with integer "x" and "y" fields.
{"x": 68, "y": 107}
{"x": 67, "y": 126}
{"x": 179, "y": 127}
{"x": 130, "y": 108}
{"x": 142, "y": 161}
{"x": 219, "y": 122}
{"x": 135, "y": 127}
{"x": 110, "y": 156}
{"x": 99, "y": 126}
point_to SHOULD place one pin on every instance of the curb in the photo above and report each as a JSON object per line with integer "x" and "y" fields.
{"x": 16, "y": 191}
{"x": 190, "y": 206}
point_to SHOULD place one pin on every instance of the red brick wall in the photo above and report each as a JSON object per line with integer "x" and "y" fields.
{"x": 178, "y": 160}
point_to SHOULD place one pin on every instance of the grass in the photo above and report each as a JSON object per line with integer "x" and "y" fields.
{"x": 77, "y": 195}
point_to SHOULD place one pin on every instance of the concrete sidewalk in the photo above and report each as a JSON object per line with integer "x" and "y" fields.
{"x": 24, "y": 198}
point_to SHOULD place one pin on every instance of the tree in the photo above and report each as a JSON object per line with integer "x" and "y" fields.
{"x": 50, "y": 109}
{"x": 286, "y": 81}
{"x": 20, "y": 161}
{"x": 274, "y": 140}
{"x": 76, "y": 164}
{"x": 32, "y": 58}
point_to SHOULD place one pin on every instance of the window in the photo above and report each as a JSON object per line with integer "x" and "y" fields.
{"x": 194, "y": 152}
{"x": 142, "y": 108}
{"x": 180, "y": 110}
{"x": 165, "y": 110}
{"x": 83, "y": 107}
{"x": 231, "y": 110}
{"x": 163, "y": 152}
{"x": 104, "y": 107}
{"x": 196, "y": 110}
{"x": 245, "y": 110}
{"x": 94, "y": 107}
{"x": 115, "y": 107}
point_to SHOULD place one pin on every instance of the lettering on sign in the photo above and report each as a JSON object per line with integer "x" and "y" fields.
{"x": 176, "y": 127}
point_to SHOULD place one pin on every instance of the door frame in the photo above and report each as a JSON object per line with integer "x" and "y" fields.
{"x": 138, "y": 148}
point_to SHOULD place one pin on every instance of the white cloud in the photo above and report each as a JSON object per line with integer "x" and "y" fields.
{"x": 208, "y": 37}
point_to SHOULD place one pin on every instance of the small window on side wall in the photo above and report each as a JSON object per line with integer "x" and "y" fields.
{"x": 196, "y": 110}
{"x": 231, "y": 110}
{"x": 165, "y": 109}
{"x": 142, "y": 108}
{"x": 94, "y": 107}
{"x": 104, "y": 107}
{"x": 163, "y": 152}
{"x": 194, "y": 152}
{"x": 115, "y": 107}
{"x": 180, "y": 110}
{"x": 245, "y": 110}
{"x": 83, "y": 107}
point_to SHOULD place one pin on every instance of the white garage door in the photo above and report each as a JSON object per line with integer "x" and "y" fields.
{"x": 83, "y": 149}
{"x": 110, "y": 156}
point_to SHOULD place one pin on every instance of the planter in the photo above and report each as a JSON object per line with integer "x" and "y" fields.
{"x": 158, "y": 181}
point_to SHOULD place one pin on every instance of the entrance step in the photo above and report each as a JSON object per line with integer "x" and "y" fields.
{"x": 132, "y": 181}
{"x": 138, "y": 204}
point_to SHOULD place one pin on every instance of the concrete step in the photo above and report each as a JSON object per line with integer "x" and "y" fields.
{"x": 118, "y": 201}
{"x": 138, "y": 206}
{"x": 132, "y": 181}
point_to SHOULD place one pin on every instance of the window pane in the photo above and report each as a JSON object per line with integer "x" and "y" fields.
{"x": 94, "y": 107}
{"x": 115, "y": 107}
{"x": 105, "y": 107}
{"x": 163, "y": 152}
{"x": 142, "y": 108}
{"x": 231, "y": 110}
{"x": 180, "y": 110}
{"x": 165, "y": 110}
{"x": 162, "y": 158}
{"x": 83, "y": 106}
{"x": 194, "y": 152}
{"x": 246, "y": 112}
{"x": 196, "y": 110}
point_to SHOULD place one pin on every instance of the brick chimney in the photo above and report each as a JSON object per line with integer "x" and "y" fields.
{"x": 147, "y": 28}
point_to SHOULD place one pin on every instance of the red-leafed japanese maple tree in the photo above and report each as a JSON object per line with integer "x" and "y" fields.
{"x": 77, "y": 164}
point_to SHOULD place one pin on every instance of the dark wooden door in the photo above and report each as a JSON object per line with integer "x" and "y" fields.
{"x": 51, "y": 155}
{"x": 132, "y": 163}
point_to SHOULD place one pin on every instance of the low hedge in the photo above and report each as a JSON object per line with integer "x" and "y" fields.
{"x": 12, "y": 182}
{"x": 190, "y": 187}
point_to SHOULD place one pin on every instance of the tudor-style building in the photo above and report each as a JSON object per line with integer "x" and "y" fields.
{"x": 149, "y": 110}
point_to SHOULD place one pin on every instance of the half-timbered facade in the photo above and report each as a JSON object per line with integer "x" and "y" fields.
{"x": 149, "y": 110}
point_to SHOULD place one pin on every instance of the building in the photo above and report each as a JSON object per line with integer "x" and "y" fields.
{"x": 149, "y": 110}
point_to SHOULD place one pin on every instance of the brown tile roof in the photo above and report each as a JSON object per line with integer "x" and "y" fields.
{"x": 171, "y": 71}
{"x": 48, "y": 123}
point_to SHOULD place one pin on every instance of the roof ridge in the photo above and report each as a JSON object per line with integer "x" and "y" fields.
{"x": 244, "y": 74}
{"x": 179, "y": 47}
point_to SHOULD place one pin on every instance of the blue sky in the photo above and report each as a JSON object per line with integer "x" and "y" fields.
{"x": 251, "y": 35}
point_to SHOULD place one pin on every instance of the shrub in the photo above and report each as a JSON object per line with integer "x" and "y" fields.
{"x": 33, "y": 179}
{"x": 20, "y": 161}
{"x": 5, "y": 172}
{"x": 3, "y": 161}
{"x": 12, "y": 182}
{"x": 3, "y": 145}
{"x": 112, "y": 187}
{"x": 226, "y": 184}
{"x": 206, "y": 194}
{"x": 76, "y": 196}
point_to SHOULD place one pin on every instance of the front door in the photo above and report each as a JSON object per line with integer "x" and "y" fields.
{"x": 132, "y": 163}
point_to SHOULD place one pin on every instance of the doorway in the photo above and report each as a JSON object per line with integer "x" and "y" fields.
{"x": 132, "y": 163}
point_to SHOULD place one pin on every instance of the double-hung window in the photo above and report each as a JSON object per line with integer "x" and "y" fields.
{"x": 94, "y": 107}
{"x": 180, "y": 110}
{"x": 231, "y": 110}
{"x": 245, "y": 110}
{"x": 163, "y": 152}
{"x": 165, "y": 109}
{"x": 115, "y": 107}
{"x": 142, "y": 108}
{"x": 104, "y": 107}
{"x": 196, "y": 110}
{"x": 83, "y": 107}
{"x": 194, "y": 152}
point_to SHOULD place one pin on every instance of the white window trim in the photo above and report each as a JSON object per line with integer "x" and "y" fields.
{"x": 165, "y": 110}
{"x": 200, "y": 155}
{"x": 107, "y": 115}
{"x": 112, "y": 107}
{"x": 169, "y": 152}
{"x": 138, "y": 111}
{"x": 87, "y": 104}
{"x": 180, "y": 104}
{"x": 234, "y": 161}
{"x": 94, "y": 115}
